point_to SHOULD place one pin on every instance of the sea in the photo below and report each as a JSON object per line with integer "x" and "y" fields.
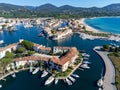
{"x": 26, "y": 81}
{"x": 105, "y": 24}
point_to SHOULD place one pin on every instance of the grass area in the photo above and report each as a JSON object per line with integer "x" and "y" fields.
{"x": 116, "y": 61}
{"x": 96, "y": 34}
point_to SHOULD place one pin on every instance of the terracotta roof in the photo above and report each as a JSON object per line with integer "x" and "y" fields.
{"x": 42, "y": 47}
{"x": 60, "y": 61}
{"x": 9, "y": 46}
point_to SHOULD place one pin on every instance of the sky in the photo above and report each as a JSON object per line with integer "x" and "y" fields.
{"x": 76, "y": 3}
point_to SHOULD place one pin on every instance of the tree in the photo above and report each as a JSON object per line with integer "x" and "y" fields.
{"x": 106, "y": 47}
{"x": 31, "y": 53}
{"x": 21, "y": 50}
{"x": 9, "y": 54}
{"x": 27, "y": 44}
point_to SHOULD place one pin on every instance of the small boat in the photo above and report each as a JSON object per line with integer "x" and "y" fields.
{"x": 49, "y": 80}
{"x": 75, "y": 75}
{"x": 72, "y": 79}
{"x": 1, "y": 41}
{"x": 56, "y": 81}
{"x": 85, "y": 66}
{"x": 13, "y": 75}
{"x": 31, "y": 69}
{"x": 86, "y": 62}
{"x": 44, "y": 73}
{"x": 0, "y": 86}
{"x": 100, "y": 89}
{"x": 100, "y": 82}
{"x": 85, "y": 58}
{"x": 36, "y": 70}
{"x": 68, "y": 81}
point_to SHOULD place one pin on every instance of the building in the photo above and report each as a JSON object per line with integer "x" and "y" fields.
{"x": 58, "y": 63}
{"x": 41, "y": 48}
{"x": 9, "y": 48}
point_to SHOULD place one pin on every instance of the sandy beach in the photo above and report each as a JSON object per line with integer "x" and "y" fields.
{"x": 109, "y": 76}
{"x": 89, "y": 28}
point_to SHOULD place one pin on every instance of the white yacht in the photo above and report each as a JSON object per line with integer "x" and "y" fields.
{"x": 75, "y": 75}
{"x": 100, "y": 89}
{"x": 49, "y": 80}
{"x": 0, "y": 86}
{"x": 1, "y": 41}
{"x": 13, "y": 75}
{"x": 86, "y": 62}
{"x": 100, "y": 82}
{"x": 31, "y": 69}
{"x": 68, "y": 81}
{"x": 72, "y": 79}
{"x": 44, "y": 73}
{"x": 56, "y": 81}
{"x": 85, "y": 66}
{"x": 36, "y": 70}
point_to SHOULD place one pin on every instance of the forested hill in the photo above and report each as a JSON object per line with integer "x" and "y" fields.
{"x": 49, "y": 10}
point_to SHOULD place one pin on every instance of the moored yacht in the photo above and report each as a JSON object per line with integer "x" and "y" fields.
{"x": 72, "y": 79}
{"x": 1, "y": 41}
{"x": 86, "y": 62}
{"x": 85, "y": 66}
{"x": 56, "y": 81}
{"x": 0, "y": 86}
{"x": 36, "y": 70}
{"x": 68, "y": 81}
{"x": 75, "y": 75}
{"x": 49, "y": 80}
{"x": 13, "y": 75}
{"x": 44, "y": 73}
{"x": 100, "y": 82}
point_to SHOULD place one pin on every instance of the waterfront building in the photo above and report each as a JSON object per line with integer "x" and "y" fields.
{"x": 9, "y": 48}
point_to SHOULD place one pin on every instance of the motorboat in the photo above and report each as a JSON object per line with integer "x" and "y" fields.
{"x": 75, "y": 75}
{"x": 36, "y": 70}
{"x": 44, "y": 73}
{"x": 13, "y": 75}
{"x": 68, "y": 81}
{"x": 56, "y": 81}
{"x": 49, "y": 80}
{"x": 72, "y": 79}
{"x": 100, "y": 82}
{"x": 0, "y": 86}
{"x": 85, "y": 66}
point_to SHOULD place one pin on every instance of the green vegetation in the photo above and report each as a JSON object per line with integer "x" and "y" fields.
{"x": 5, "y": 61}
{"x": 96, "y": 34}
{"x": 63, "y": 74}
{"x": 31, "y": 53}
{"x": 115, "y": 57}
{"x": 27, "y": 44}
{"x": 21, "y": 50}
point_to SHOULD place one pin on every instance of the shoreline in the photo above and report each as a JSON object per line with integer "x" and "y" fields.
{"x": 90, "y": 28}
{"x": 109, "y": 76}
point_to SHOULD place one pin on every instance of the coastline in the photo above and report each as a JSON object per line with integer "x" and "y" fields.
{"x": 88, "y": 27}
{"x": 109, "y": 77}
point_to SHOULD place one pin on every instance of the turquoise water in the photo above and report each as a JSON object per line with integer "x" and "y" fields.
{"x": 111, "y": 24}
{"x": 26, "y": 81}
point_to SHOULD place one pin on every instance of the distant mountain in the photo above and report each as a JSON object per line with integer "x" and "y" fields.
{"x": 112, "y": 8}
{"x": 10, "y": 10}
{"x": 47, "y": 8}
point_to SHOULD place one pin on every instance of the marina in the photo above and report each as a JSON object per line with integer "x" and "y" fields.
{"x": 33, "y": 37}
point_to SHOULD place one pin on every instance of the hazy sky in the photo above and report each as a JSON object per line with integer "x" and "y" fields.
{"x": 77, "y": 3}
